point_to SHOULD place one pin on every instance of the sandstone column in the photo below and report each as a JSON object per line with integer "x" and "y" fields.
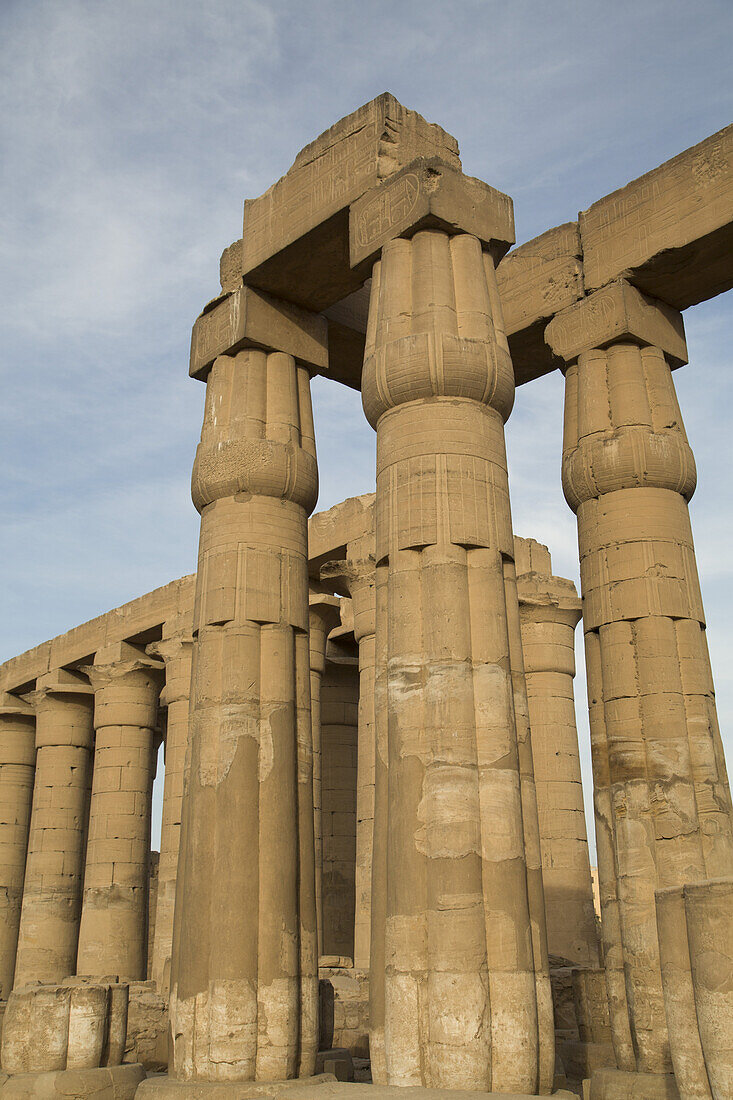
{"x": 17, "y": 764}
{"x": 323, "y": 616}
{"x": 176, "y": 652}
{"x": 244, "y": 989}
{"x": 549, "y": 612}
{"x": 460, "y": 1005}
{"x": 113, "y": 933}
{"x": 52, "y": 892}
{"x": 709, "y": 912}
{"x": 628, "y": 473}
{"x": 356, "y": 576}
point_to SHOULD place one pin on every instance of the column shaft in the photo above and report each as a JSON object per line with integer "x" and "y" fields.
{"x": 113, "y": 933}
{"x": 628, "y": 472}
{"x": 460, "y": 1002}
{"x": 52, "y": 892}
{"x": 244, "y": 986}
{"x": 549, "y": 612}
{"x": 323, "y": 615}
{"x": 17, "y": 765}
{"x": 176, "y": 652}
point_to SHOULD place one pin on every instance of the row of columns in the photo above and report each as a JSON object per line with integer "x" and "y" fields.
{"x": 77, "y": 763}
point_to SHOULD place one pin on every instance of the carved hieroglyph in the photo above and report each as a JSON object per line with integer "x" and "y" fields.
{"x": 454, "y": 1001}
{"x": 244, "y": 984}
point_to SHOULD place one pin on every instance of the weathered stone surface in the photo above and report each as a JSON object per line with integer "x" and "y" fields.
{"x": 344, "y": 995}
{"x": 670, "y": 232}
{"x": 104, "y": 1083}
{"x": 247, "y": 318}
{"x": 147, "y": 1027}
{"x": 616, "y": 1084}
{"x": 295, "y": 241}
{"x": 618, "y": 312}
{"x": 428, "y": 194}
{"x": 709, "y": 912}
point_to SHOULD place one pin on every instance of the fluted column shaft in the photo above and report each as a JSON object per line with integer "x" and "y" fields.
{"x": 176, "y": 652}
{"x": 628, "y": 473}
{"x": 356, "y": 575}
{"x": 548, "y": 617}
{"x": 113, "y": 932}
{"x": 17, "y": 765}
{"x": 244, "y": 986}
{"x": 52, "y": 891}
{"x": 460, "y": 995}
{"x": 323, "y": 616}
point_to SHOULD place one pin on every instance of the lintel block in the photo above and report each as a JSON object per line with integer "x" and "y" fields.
{"x": 616, "y": 313}
{"x": 428, "y": 194}
{"x": 248, "y": 318}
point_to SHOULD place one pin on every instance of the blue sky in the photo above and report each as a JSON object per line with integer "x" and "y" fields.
{"x": 131, "y": 133}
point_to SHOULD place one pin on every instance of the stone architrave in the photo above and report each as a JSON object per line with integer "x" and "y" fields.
{"x": 176, "y": 652}
{"x": 244, "y": 981}
{"x": 356, "y": 578}
{"x": 453, "y": 985}
{"x": 323, "y": 616}
{"x": 17, "y": 765}
{"x": 659, "y": 776}
{"x": 52, "y": 891}
{"x": 549, "y": 611}
{"x": 113, "y": 932}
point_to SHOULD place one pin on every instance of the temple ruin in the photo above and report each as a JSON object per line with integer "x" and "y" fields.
{"x": 373, "y": 859}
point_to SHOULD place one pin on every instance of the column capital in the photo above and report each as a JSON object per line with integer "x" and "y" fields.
{"x": 429, "y": 194}
{"x": 119, "y": 660}
{"x": 324, "y": 613}
{"x": 168, "y": 649}
{"x": 356, "y": 578}
{"x": 618, "y": 313}
{"x": 177, "y": 653}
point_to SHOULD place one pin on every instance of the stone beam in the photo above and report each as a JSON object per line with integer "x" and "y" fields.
{"x": 148, "y": 617}
{"x": 247, "y": 318}
{"x": 669, "y": 232}
{"x": 295, "y": 240}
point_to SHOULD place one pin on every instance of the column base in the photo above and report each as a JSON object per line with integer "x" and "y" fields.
{"x": 102, "y": 1083}
{"x": 323, "y": 1087}
{"x": 618, "y": 1084}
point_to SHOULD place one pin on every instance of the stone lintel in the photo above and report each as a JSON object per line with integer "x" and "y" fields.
{"x": 617, "y": 313}
{"x": 670, "y": 232}
{"x": 330, "y": 532}
{"x": 248, "y": 318}
{"x": 537, "y": 280}
{"x": 295, "y": 240}
{"x": 428, "y": 194}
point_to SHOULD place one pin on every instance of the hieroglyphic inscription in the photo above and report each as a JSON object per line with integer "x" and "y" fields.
{"x": 671, "y": 207}
{"x": 386, "y": 209}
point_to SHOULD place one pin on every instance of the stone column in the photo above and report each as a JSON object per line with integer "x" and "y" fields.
{"x": 549, "y": 612}
{"x": 356, "y": 578}
{"x": 17, "y": 765}
{"x": 176, "y": 652}
{"x": 244, "y": 989}
{"x": 323, "y": 616}
{"x": 628, "y": 473}
{"x": 460, "y": 1004}
{"x": 52, "y": 892}
{"x": 113, "y": 933}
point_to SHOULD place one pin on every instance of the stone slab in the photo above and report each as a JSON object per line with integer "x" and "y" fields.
{"x": 247, "y": 318}
{"x": 105, "y": 1083}
{"x": 330, "y": 532}
{"x": 617, "y": 1084}
{"x": 325, "y": 1087}
{"x": 428, "y": 194}
{"x": 537, "y": 280}
{"x": 295, "y": 239}
{"x": 616, "y": 312}
{"x": 670, "y": 231}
